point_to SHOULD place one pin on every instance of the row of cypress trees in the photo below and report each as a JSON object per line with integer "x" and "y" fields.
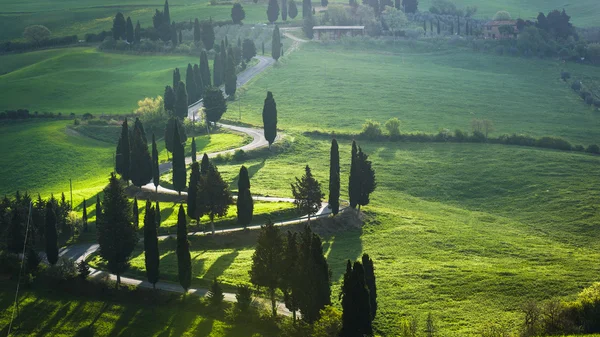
{"x": 359, "y": 298}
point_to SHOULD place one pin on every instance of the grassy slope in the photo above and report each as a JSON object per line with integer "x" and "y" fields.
{"x": 67, "y": 17}
{"x": 426, "y": 91}
{"x": 41, "y": 156}
{"x": 84, "y": 80}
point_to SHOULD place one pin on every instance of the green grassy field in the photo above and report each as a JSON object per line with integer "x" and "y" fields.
{"x": 333, "y": 88}
{"x": 92, "y": 16}
{"x": 84, "y": 80}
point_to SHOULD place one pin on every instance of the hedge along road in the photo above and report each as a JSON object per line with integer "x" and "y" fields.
{"x": 79, "y": 252}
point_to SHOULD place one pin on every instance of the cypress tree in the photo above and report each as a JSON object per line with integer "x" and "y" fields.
{"x": 129, "y": 31}
{"x": 216, "y": 196}
{"x": 217, "y": 70}
{"x": 214, "y": 104}
{"x": 263, "y": 48}
{"x": 155, "y": 170}
{"x": 438, "y": 26}
{"x": 199, "y": 83}
{"x": 174, "y": 38}
{"x": 322, "y": 278}
{"x": 354, "y": 181}
{"x": 356, "y": 316}
{"x": 123, "y": 153}
{"x": 137, "y": 33}
{"x": 208, "y": 35}
{"x": 284, "y": 10}
{"x": 458, "y": 24}
{"x": 141, "y": 161}
{"x": 370, "y": 281}
{"x": 237, "y": 13}
{"x": 291, "y": 280}
{"x": 181, "y": 101}
{"x": 190, "y": 84}
{"x": 136, "y": 214}
{"x": 334, "y": 178}
{"x": 276, "y": 44}
{"x": 315, "y": 275}
{"x": 119, "y": 27}
{"x": 193, "y": 191}
{"x": 307, "y": 192}
{"x": 431, "y": 26}
{"x": 205, "y": 164}
{"x": 180, "y": 37}
{"x": 171, "y": 124}
{"x": 293, "y": 10}
{"x": 169, "y": 99}
{"x": 197, "y": 30}
{"x": 204, "y": 68}
{"x": 267, "y": 261}
{"x": 273, "y": 10}
{"x": 138, "y": 125}
{"x": 223, "y": 61}
{"x": 158, "y": 215}
{"x": 151, "y": 253}
{"x": 51, "y": 234}
{"x": 230, "y": 77}
{"x": 166, "y": 13}
{"x": 184, "y": 259}
{"x": 176, "y": 79}
{"x": 245, "y": 204}
{"x": 116, "y": 235}
{"x": 98, "y": 210}
{"x": 349, "y": 325}
{"x": 179, "y": 174}
{"x": 307, "y": 8}
{"x": 84, "y": 218}
{"x": 194, "y": 149}
{"x": 367, "y": 178}
{"x": 270, "y": 118}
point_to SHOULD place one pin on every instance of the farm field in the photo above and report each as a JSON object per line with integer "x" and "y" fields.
{"x": 427, "y": 90}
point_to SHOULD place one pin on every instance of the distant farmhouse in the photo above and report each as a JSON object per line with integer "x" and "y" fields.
{"x": 500, "y": 29}
{"x": 335, "y": 32}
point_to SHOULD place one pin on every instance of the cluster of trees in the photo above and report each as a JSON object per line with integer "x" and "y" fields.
{"x": 359, "y": 298}
{"x": 25, "y": 114}
{"x": 133, "y": 160}
{"x": 287, "y": 9}
{"x": 583, "y": 91}
{"x": 35, "y": 41}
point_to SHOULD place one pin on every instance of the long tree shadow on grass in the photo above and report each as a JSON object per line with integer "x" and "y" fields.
{"x": 340, "y": 248}
{"x": 252, "y": 170}
{"x": 220, "y": 265}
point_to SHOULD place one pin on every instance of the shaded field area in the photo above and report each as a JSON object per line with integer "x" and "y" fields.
{"x": 427, "y": 90}
{"x": 82, "y": 80}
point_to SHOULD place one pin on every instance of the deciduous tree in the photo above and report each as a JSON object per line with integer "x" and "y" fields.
{"x": 36, "y": 33}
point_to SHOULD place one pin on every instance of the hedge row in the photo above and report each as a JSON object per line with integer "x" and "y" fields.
{"x": 11, "y": 46}
{"x": 25, "y": 114}
{"x": 460, "y": 136}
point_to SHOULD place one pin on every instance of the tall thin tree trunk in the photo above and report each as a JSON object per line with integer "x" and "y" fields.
{"x": 273, "y": 302}
{"x": 294, "y": 316}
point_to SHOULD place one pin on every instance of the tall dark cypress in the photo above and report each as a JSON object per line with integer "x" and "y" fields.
{"x": 245, "y": 204}
{"x": 199, "y": 83}
{"x": 356, "y": 315}
{"x": 204, "y": 68}
{"x": 230, "y": 76}
{"x": 354, "y": 181}
{"x": 155, "y": 170}
{"x": 123, "y": 152}
{"x": 334, "y": 178}
{"x": 176, "y": 79}
{"x": 51, "y": 234}
{"x": 129, "y": 31}
{"x": 270, "y": 118}
{"x": 194, "y": 150}
{"x": 291, "y": 280}
{"x": 98, "y": 211}
{"x": 137, "y": 32}
{"x": 273, "y": 10}
{"x": 181, "y": 101}
{"x": 284, "y": 10}
{"x": 217, "y": 70}
{"x": 179, "y": 174}
{"x": 371, "y": 284}
{"x": 84, "y": 217}
{"x": 366, "y": 176}
{"x": 193, "y": 191}
{"x": 166, "y": 13}
{"x": 140, "y": 158}
{"x": 276, "y": 44}
{"x": 208, "y": 34}
{"x": 348, "y": 310}
{"x": 136, "y": 213}
{"x": 223, "y": 60}
{"x": 158, "y": 215}
{"x": 151, "y": 253}
{"x": 315, "y": 274}
{"x": 184, "y": 259}
{"x": 205, "y": 164}
{"x": 169, "y": 99}
{"x": 190, "y": 85}
{"x": 197, "y": 33}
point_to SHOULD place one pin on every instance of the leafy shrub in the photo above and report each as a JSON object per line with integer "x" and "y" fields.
{"x": 576, "y": 85}
{"x": 554, "y": 143}
{"x": 329, "y": 324}
{"x": 393, "y": 127}
{"x": 243, "y": 297}
{"x": 477, "y": 137}
{"x": 589, "y": 100}
{"x": 215, "y": 294}
{"x": 239, "y": 155}
{"x": 9, "y": 263}
{"x": 565, "y": 75}
{"x": 371, "y": 130}
{"x": 83, "y": 269}
{"x": 87, "y": 116}
{"x": 63, "y": 270}
{"x": 460, "y": 136}
{"x": 595, "y": 149}
{"x": 579, "y": 148}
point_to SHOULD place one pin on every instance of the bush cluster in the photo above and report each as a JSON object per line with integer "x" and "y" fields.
{"x": 25, "y": 114}
{"x": 13, "y": 46}
{"x": 586, "y": 95}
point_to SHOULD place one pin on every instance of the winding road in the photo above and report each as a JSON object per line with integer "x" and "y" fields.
{"x": 79, "y": 252}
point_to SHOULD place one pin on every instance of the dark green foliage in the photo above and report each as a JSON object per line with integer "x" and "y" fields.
{"x": 367, "y": 178}
{"x": 158, "y": 215}
{"x": 116, "y": 234}
{"x": 197, "y": 33}
{"x": 123, "y": 152}
{"x": 356, "y": 316}
{"x": 215, "y": 293}
{"x": 129, "y": 31}
{"x": 184, "y": 259}
{"x": 223, "y": 60}
{"x": 284, "y": 10}
{"x": 180, "y": 37}
{"x": 267, "y": 261}
{"x": 276, "y": 44}
{"x": 248, "y": 49}
{"x": 214, "y": 196}
{"x": 245, "y": 204}
{"x": 84, "y": 217}
{"x": 218, "y": 70}
{"x": 208, "y": 35}
{"x": 141, "y": 161}
{"x": 324, "y": 3}
{"x": 193, "y": 191}
{"x": 166, "y": 13}
{"x": 51, "y": 234}
{"x": 334, "y": 178}
{"x": 174, "y": 39}
{"x": 176, "y": 80}
{"x": 137, "y": 32}
{"x": 199, "y": 83}
{"x": 214, "y": 104}
{"x": 98, "y": 210}
{"x": 119, "y": 27}
{"x": 307, "y": 192}
{"x": 237, "y": 13}
{"x": 194, "y": 150}
{"x": 179, "y": 173}
{"x": 230, "y": 77}
{"x": 155, "y": 170}
{"x": 293, "y": 10}
{"x": 371, "y": 284}
{"x": 273, "y": 10}
{"x": 151, "y": 253}
{"x": 190, "y": 85}
{"x": 169, "y": 99}
{"x": 595, "y": 149}
{"x": 315, "y": 288}
{"x": 83, "y": 270}
{"x": 270, "y": 118}
{"x": 173, "y": 123}
{"x": 307, "y": 26}
{"x": 263, "y": 48}
{"x": 243, "y": 298}
{"x": 205, "y": 164}
{"x": 136, "y": 213}
{"x": 181, "y": 101}
{"x": 33, "y": 260}
{"x": 204, "y": 69}
{"x": 306, "y": 8}
{"x": 291, "y": 277}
